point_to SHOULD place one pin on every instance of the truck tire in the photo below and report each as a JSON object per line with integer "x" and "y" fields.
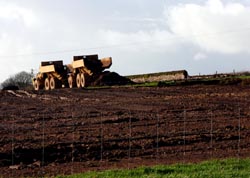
{"x": 54, "y": 83}
{"x": 37, "y": 85}
{"x": 82, "y": 80}
{"x": 78, "y": 80}
{"x": 71, "y": 82}
{"x": 47, "y": 84}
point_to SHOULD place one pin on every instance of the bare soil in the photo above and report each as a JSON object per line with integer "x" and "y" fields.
{"x": 67, "y": 131}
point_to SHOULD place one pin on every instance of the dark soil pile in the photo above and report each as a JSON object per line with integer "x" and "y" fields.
{"x": 111, "y": 78}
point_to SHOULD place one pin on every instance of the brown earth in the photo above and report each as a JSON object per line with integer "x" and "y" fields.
{"x": 73, "y": 130}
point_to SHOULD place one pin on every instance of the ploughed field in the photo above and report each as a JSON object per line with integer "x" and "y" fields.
{"x": 74, "y": 130}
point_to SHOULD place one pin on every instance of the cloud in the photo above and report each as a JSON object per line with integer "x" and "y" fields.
{"x": 214, "y": 26}
{"x": 19, "y": 14}
{"x": 17, "y": 24}
{"x": 200, "y": 56}
{"x": 154, "y": 41}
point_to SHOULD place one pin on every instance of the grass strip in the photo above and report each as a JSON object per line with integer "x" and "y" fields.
{"x": 228, "y": 168}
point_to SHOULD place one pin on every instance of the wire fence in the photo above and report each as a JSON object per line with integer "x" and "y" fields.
{"x": 98, "y": 140}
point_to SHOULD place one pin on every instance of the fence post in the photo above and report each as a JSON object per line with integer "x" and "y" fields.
{"x": 130, "y": 134}
{"x": 12, "y": 141}
{"x": 184, "y": 133}
{"x": 43, "y": 144}
{"x": 239, "y": 134}
{"x": 157, "y": 138}
{"x": 101, "y": 138}
{"x": 12, "y": 145}
{"x": 211, "y": 133}
{"x": 73, "y": 140}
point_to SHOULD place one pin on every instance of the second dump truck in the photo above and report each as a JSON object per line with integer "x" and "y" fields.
{"x": 80, "y": 73}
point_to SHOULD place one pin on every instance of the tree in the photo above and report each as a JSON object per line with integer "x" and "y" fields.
{"x": 21, "y": 80}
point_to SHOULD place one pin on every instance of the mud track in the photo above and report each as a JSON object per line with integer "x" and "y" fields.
{"x": 68, "y": 131}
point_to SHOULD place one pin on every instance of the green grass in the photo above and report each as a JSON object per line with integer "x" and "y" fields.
{"x": 244, "y": 77}
{"x": 230, "y": 168}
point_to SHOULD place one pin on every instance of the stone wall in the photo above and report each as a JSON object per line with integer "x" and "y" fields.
{"x": 157, "y": 77}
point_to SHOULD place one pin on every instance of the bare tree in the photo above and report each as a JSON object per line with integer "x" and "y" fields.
{"x": 20, "y": 80}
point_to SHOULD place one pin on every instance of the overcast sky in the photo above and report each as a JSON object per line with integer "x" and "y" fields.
{"x": 142, "y": 36}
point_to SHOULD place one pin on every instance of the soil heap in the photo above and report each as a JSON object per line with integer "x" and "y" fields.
{"x": 108, "y": 78}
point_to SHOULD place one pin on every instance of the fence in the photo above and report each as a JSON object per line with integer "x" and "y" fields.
{"x": 51, "y": 143}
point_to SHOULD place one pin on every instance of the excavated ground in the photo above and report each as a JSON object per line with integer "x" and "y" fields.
{"x": 73, "y": 130}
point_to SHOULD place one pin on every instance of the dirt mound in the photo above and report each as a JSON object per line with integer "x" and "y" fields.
{"x": 110, "y": 79}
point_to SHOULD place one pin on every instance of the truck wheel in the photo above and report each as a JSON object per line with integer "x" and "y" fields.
{"x": 46, "y": 84}
{"x": 82, "y": 80}
{"x": 72, "y": 82}
{"x": 78, "y": 80}
{"x": 37, "y": 85}
{"x": 54, "y": 83}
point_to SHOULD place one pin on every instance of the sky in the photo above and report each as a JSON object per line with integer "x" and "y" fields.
{"x": 142, "y": 36}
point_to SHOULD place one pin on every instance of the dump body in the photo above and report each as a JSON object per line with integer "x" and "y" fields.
{"x": 91, "y": 64}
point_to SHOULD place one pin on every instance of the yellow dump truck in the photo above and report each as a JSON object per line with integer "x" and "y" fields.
{"x": 85, "y": 69}
{"x": 51, "y": 75}
{"x": 80, "y": 73}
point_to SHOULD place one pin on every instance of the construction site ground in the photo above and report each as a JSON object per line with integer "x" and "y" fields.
{"x": 67, "y": 131}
